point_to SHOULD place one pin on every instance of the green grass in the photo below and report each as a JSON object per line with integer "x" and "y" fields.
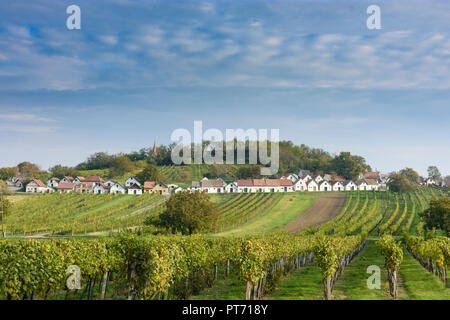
{"x": 420, "y": 284}
{"x": 280, "y": 213}
{"x": 303, "y": 284}
{"x": 352, "y": 285}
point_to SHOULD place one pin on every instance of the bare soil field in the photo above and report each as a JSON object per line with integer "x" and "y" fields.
{"x": 324, "y": 208}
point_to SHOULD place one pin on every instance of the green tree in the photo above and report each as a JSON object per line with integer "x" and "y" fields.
{"x": 150, "y": 173}
{"x": 410, "y": 174}
{"x": 349, "y": 166}
{"x": 121, "y": 165}
{"x": 400, "y": 183}
{"x": 188, "y": 213}
{"x": 437, "y": 215}
{"x": 5, "y": 206}
{"x": 59, "y": 171}
{"x": 7, "y": 173}
{"x": 28, "y": 169}
{"x": 433, "y": 173}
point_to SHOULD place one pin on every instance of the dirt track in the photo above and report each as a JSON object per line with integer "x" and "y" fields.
{"x": 325, "y": 207}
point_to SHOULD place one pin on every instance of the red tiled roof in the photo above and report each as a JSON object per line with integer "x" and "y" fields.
{"x": 65, "y": 185}
{"x": 56, "y": 179}
{"x": 285, "y": 182}
{"x": 149, "y": 184}
{"x": 259, "y": 182}
{"x": 339, "y": 178}
{"x": 40, "y": 183}
{"x": 245, "y": 183}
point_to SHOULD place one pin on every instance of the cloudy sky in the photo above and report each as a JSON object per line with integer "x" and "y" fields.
{"x": 137, "y": 70}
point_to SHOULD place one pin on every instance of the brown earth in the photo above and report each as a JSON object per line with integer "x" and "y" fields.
{"x": 324, "y": 208}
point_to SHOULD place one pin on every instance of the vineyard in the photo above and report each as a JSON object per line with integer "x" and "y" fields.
{"x": 243, "y": 260}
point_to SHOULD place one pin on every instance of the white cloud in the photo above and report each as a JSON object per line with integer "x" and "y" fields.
{"x": 112, "y": 40}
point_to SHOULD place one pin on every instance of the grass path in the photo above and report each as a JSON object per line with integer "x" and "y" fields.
{"x": 420, "y": 284}
{"x": 281, "y": 212}
{"x": 303, "y": 284}
{"x": 352, "y": 284}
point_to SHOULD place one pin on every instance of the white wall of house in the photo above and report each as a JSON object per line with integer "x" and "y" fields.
{"x": 117, "y": 188}
{"x": 338, "y": 186}
{"x": 351, "y": 186}
{"x": 325, "y": 186}
{"x": 130, "y": 181}
{"x": 134, "y": 191}
{"x": 312, "y": 186}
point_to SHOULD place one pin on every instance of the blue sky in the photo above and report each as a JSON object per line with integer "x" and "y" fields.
{"x": 137, "y": 70}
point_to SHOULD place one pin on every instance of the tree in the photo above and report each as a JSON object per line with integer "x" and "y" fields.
{"x": 28, "y": 169}
{"x": 150, "y": 173}
{"x": 248, "y": 171}
{"x": 437, "y": 215}
{"x": 7, "y": 173}
{"x": 410, "y": 174}
{"x": 400, "y": 183}
{"x": 188, "y": 213}
{"x": 121, "y": 165}
{"x": 99, "y": 160}
{"x": 5, "y": 206}
{"x": 59, "y": 171}
{"x": 349, "y": 166}
{"x": 433, "y": 173}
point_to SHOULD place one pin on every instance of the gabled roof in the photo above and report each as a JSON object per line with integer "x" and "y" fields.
{"x": 80, "y": 178}
{"x": 39, "y": 183}
{"x": 68, "y": 178}
{"x": 244, "y": 183}
{"x": 323, "y": 181}
{"x": 339, "y": 178}
{"x": 55, "y": 179}
{"x": 311, "y": 181}
{"x": 372, "y": 182}
{"x": 346, "y": 182}
{"x": 65, "y": 185}
{"x": 336, "y": 182}
{"x": 149, "y": 184}
{"x": 134, "y": 186}
{"x": 360, "y": 182}
{"x": 211, "y": 183}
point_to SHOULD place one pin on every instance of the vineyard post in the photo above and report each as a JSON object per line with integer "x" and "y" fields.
{"x": 2, "y": 211}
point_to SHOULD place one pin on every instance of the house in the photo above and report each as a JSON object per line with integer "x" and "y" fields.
{"x": 311, "y": 185}
{"x": 65, "y": 187}
{"x": 349, "y": 185}
{"x": 231, "y": 187}
{"x": 305, "y": 178}
{"x": 110, "y": 183}
{"x": 372, "y": 184}
{"x": 327, "y": 177}
{"x": 84, "y": 187}
{"x": 78, "y": 179}
{"x": 15, "y": 185}
{"x": 338, "y": 186}
{"x": 324, "y": 185}
{"x": 134, "y": 189}
{"x": 264, "y": 185}
{"x": 117, "y": 188}
{"x": 37, "y": 186}
{"x": 53, "y": 182}
{"x": 209, "y": 186}
{"x": 153, "y": 187}
{"x": 318, "y": 178}
{"x": 430, "y": 181}
{"x": 100, "y": 188}
{"x": 178, "y": 189}
{"x": 132, "y": 180}
{"x": 172, "y": 187}
{"x": 66, "y": 179}
{"x": 362, "y": 184}
{"x": 300, "y": 185}
{"x": 292, "y": 176}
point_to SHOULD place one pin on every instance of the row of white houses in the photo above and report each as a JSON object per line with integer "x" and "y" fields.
{"x": 288, "y": 183}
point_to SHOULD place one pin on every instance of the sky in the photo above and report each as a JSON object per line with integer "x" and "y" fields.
{"x": 138, "y": 70}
